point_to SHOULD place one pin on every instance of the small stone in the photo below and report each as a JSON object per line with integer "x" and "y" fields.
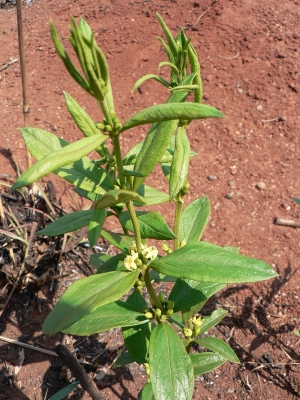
{"x": 261, "y": 185}
{"x": 233, "y": 170}
{"x": 231, "y": 183}
{"x": 211, "y": 177}
{"x": 229, "y": 196}
{"x": 259, "y": 107}
{"x": 239, "y": 90}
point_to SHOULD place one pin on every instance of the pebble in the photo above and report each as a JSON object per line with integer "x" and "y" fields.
{"x": 259, "y": 107}
{"x": 233, "y": 170}
{"x": 231, "y": 183}
{"x": 229, "y": 196}
{"x": 261, "y": 185}
{"x": 239, "y": 90}
{"x": 211, "y": 177}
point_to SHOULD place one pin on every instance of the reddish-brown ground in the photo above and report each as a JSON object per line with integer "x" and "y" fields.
{"x": 249, "y": 52}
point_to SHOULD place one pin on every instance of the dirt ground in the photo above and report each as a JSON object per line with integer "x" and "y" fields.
{"x": 249, "y": 52}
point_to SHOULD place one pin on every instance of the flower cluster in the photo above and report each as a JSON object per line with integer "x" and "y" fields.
{"x": 131, "y": 262}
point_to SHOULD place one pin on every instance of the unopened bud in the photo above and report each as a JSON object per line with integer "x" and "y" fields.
{"x": 170, "y": 305}
{"x": 161, "y": 297}
{"x": 183, "y": 243}
{"x": 169, "y": 312}
{"x": 158, "y": 313}
{"x": 148, "y": 315}
{"x": 187, "y": 332}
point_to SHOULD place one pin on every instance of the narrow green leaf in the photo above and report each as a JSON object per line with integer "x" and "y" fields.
{"x": 195, "y": 67}
{"x": 193, "y": 220}
{"x": 114, "y": 197}
{"x": 64, "y": 391}
{"x": 180, "y": 163}
{"x": 68, "y": 223}
{"x": 157, "y": 140}
{"x": 171, "y": 370}
{"x": 80, "y": 117}
{"x": 122, "y": 242}
{"x": 147, "y": 393}
{"x": 13, "y": 236}
{"x": 123, "y": 359}
{"x": 218, "y": 346}
{"x": 171, "y": 111}
{"x": 108, "y": 316}
{"x": 296, "y": 200}
{"x": 152, "y": 225}
{"x": 169, "y": 37}
{"x": 150, "y": 76}
{"x": 212, "y": 320}
{"x": 206, "y": 362}
{"x": 168, "y": 64}
{"x": 167, "y": 49}
{"x": 85, "y": 296}
{"x": 66, "y": 60}
{"x": 297, "y": 332}
{"x": 210, "y": 263}
{"x": 95, "y": 225}
{"x": 60, "y": 158}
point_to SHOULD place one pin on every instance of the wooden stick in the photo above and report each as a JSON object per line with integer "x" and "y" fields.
{"x": 71, "y": 362}
{"x": 31, "y": 347}
{"x": 26, "y": 105}
{"x": 287, "y": 222}
{"x": 5, "y": 66}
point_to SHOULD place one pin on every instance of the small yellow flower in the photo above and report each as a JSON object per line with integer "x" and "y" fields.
{"x": 187, "y": 332}
{"x": 129, "y": 262}
{"x": 150, "y": 252}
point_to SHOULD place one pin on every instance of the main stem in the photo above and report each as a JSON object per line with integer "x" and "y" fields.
{"x": 117, "y": 149}
{"x": 154, "y": 299}
{"x": 178, "y": 211}
{"x": 136, "y": 227}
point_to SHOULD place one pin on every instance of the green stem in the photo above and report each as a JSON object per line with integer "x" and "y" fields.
{"x": 178, "y": 211}
{"x": 136, "y": 227}
{"x": 117, "y": 149}
{"x": 154, "y": 299}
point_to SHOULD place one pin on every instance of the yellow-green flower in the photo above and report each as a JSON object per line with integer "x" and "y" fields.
{"x": 129, "y": 262}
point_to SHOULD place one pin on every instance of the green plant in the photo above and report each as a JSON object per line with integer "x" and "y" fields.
{"x": 160, "y": 333}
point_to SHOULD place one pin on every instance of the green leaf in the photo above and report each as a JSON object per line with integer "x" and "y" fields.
{"x": 122, "y": 242}
{"x": 66, "y": 60}
{"x": 68, "y": 223}
{"x": 151, "y": 195}
{"x": 81, "y": 118}
{"x": 171, "y": 370}
{"x": 64, "y": 391}
{"x": 83, "y": 173}
{"x": 296, "y": 200}
{"x": 210, "y": 263}
{"x": 157, "y": 139}
{"x": 180, "y": 163}
{"x": 171, "y": 111}
{"x": 152, "y": 225}
{"x": 297, "y": 332}
{"x": 95, "y": 225}
{"x": 193, "y": 220}
{"x": 208, "y": 289}
{"x": 206, "y": 362}
{"x": 137, "y": 338}
{"x": 59, "y": 158}
{"x": 98, "y": 259}
{"x": 147, "y": 393}
{"x": 218, "y": 346}
{"x": 124, "y": 359}
{"x": 114, "y": 197}
{"x": 186, "y": 294}
{"x": 108, "y": 316}
{"x": 151, "y": 76}
{"x": 212, "y": 320}
{"x": 85, "y": 296}
{"x": 114, "y": 263}
{"x": 157, "y": 277}
{"x": 169, "y": 37}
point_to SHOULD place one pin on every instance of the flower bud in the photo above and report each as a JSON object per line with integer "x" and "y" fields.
{"x": 161, "y": 297}
{"x": 170, "y": 305}
{"x": 187, "y": 332}
{"x": 148, "y": 315}
{"x": 169, "y": 312}
{"x": 158, "y": 313}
